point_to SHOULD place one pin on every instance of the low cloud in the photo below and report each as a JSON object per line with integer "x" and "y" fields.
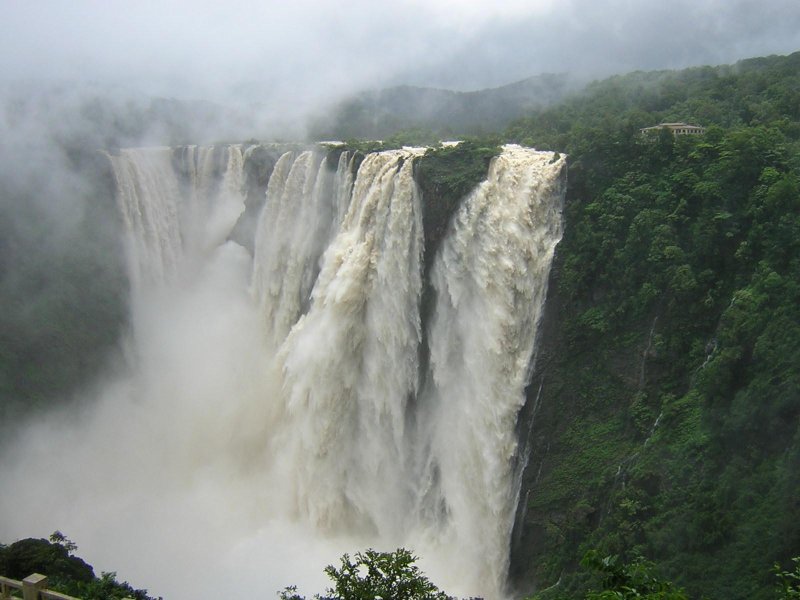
{"x": 295, "y": 57}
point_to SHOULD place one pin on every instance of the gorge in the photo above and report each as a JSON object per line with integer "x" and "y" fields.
{"x": 207, "y": 405}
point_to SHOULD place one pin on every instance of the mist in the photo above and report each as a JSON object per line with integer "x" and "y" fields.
{"x": 260, "y": 69}
{"x": 297, "y": 57}
{"x": 158, "y": 459}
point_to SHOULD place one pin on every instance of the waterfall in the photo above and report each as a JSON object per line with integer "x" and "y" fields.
{"x": 148, "y": 197}
{"x": 330, "y": 419}
{"x": 294, "y": 228}
{"x": 350, "y": 364}
{"x": 168, "y": 220}
{"x": 490, "y": 280}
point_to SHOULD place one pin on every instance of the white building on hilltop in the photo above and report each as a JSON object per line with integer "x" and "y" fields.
{"x": 675, "y": 128}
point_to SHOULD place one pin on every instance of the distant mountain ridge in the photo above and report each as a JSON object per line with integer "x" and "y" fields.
{"x": 381, "y": 113}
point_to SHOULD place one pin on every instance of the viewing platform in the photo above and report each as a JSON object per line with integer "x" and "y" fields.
{"x": 33, "y": 587}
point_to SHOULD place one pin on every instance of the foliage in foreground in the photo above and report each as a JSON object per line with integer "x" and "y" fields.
{"x": 376, "y": 575}
{"x": 789, "y": 581}
{"x": 632, "y": 581}
{"x": 372, "y": 575}
{"x": 66, "y": 573}
{"x": 639, "y": 580}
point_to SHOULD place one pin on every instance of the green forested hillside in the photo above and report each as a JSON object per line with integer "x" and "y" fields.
{"x": 379, "y": 114}
{"x": 668, "y": 382}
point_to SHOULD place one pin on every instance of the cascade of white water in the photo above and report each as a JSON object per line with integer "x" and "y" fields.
{"x": 490, "y": 279}
{"x": 165, "y": 220}
{"x": 345, "y": 436}
{"x": 198, "y": 163}
{"x": 295, "y": 226}
{"x": 343, "y": 185}
{"x": 148, "y": 196}
{"x": 228, "y": 202}
{"x": 350, "y": 364}
{"x": 213, "y": 196}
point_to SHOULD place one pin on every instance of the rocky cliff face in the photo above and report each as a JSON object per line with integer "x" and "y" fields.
{"x": 576, "y": 430}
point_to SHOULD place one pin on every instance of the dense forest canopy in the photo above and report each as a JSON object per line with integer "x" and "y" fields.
{"x": 674, "y": 383}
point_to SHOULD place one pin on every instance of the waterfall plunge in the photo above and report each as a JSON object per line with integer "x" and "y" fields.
{"x": 275, "y": 416}
{"x": 491, "y": 280}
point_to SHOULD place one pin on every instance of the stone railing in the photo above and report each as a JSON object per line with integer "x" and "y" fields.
{"x": 33, "y": 587}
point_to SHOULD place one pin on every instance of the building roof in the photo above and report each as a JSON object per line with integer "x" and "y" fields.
{"x": 675, "y": 127}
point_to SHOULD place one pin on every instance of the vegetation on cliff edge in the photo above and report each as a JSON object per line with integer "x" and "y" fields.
{"x": 670, "y": 410}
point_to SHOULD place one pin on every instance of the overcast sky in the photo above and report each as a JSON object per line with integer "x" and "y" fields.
{"x": 296, "y": 52}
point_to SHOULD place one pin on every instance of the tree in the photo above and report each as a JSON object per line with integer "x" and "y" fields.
{"x": 66, "y": 573}
{"x": 374, "y": 575}
{"x": 31, "y": 555}
{"x": 59, "y": 538}
{"x": 632, "y": 581}
{"x": 789, "y": 581}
